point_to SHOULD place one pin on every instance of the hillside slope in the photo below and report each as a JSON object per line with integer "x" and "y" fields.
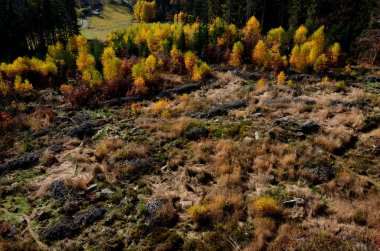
{"x": 224, "y": 165}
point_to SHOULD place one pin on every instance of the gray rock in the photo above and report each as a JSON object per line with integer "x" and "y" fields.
{"x": 186, "y": 204}
{"x": 155, "y": 205}
{"x": 248, "y": 140}
{"x": 294, "y": 202}
{"x": 92, "y": 187}
{"x": 106, "y": 191}
{"x": 257, "y": 135}
{"x": 300, "y": 135}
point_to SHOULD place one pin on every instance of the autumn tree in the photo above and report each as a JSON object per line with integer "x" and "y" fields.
{"x": 281, "y": 78}
{"x": 111, "y": 65}
{"x": 259, "y": 54}
{"x": 145, "y": 74}
{"x": 176, "y": 59}
{"x": 236, "y": 58}
{"x": 201, "y": 71}
{"x": 335, "y": 52}
{"x": 309, "y": 52}
{"x": 145, "y": 11}
{"x": 190, "y": 61}
{"x": 275, "y": 36}
{"x": 300, "y": 35}
{"x": 86, "y": 65}
{"x": 251, "y": 33}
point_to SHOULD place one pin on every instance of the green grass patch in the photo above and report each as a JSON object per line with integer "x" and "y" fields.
{"x": 18, "y": 204}
{"x": 113, "y": 17}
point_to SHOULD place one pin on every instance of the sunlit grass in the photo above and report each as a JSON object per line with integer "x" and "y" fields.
{"x": 112, "y": 18}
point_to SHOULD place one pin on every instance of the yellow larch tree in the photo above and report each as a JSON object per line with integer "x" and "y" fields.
{"x": 236, "y": 57}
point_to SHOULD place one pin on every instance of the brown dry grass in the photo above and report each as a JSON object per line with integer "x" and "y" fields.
{"x": 202, "y": 151}
{"x": 334, "y": 139}
{"x": 169, "y": 128}
{"x": 264, "y": 163}
{"x": 354, "y": 119}
{"x": 130, "y": 151}
{"x": 264, "y": 229}
{"x": 227, "y": 164}
{"x": 40, "y": 119}
{"x": 347, "y": 185}
{"x": 105, "y": 147}
{"x": 285, "y": 238}
{"x": 231, "y": 179}
{"x": 362, "y": 212}
{"x": 80, "y": 181}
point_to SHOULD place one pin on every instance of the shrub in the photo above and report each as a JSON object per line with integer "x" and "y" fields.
{"x": 66, "y": 89}
{"x": 320, "y": 63}
{"x": 266, "y": 207}
{"x": 79, "y": 96}
{"x": 93, "y": 78}
{"x": 24, "y": 88}
{"x": 179, "y": 17}
{"x": 296, "y": 60}
{"x": 306, "y": 55}
{"x": 42, "y": 67}
{"x": 160, "y": 106}
{"x": 261, "y": 84}
{"x": 199, "y": 214}
{"x": 319, "y": 38}
{"x": 201, "y": 71}
{"x": 19, "y": 66}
